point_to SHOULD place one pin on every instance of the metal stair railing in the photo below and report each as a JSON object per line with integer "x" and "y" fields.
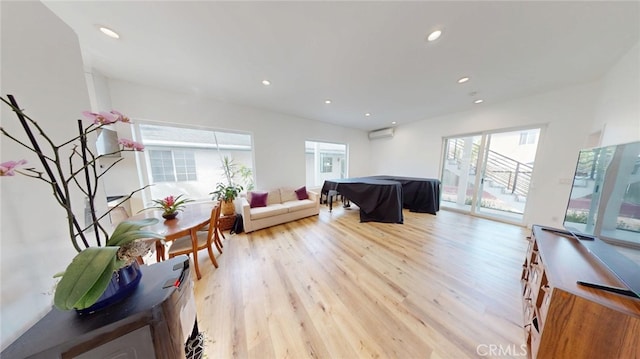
{"x": 513, "y": 175}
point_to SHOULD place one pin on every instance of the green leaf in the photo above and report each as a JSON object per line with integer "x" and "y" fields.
{"x": 85, "y": 277}
{"x": 128, "y": 226}
{"x": 131, "y": 236}
{"x": 95, "y": 292}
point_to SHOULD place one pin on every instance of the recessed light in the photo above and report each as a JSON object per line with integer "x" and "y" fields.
{"x": 478, "y": 101}
{"x": 327, "y": 101}
{"x": 367, "y": 114}
{"x": 463, "y": 80}
{"x": 107, "y": 31}
{"x": 393, "y": 122}
{"x": 266, "y": 82}
{"x": 434, "y": 35}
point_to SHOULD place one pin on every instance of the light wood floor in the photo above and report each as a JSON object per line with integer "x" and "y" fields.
{"x": 331, "y": 287}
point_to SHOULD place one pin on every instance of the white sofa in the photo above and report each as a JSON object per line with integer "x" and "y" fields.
{"x": 282, "y": 206}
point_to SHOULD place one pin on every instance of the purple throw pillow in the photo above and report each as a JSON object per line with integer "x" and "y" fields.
{"x": 258, "y": 199}
{"x": 302, "y": 193}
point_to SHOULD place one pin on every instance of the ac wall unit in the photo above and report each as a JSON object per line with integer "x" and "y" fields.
{"x": 382, "y": 133}
{"x": 107, "y": 143}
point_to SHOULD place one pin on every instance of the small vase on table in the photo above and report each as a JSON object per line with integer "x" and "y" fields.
{"x": 169, "y": 216}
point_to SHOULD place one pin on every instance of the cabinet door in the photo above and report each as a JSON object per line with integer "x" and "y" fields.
{"x": 133, "y": 345}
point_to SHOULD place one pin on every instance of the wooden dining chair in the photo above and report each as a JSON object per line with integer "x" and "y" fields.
{"x": 205, "y": 240}
{"x": 218, "y": 242}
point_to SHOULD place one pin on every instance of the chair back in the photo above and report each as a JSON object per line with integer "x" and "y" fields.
{"x": 212, "y": 231}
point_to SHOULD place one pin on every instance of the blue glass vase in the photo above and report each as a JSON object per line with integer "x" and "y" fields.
{"x": 123, "y": 283}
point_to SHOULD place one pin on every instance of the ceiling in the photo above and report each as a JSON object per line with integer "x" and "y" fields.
{"x": 367, "y": 57}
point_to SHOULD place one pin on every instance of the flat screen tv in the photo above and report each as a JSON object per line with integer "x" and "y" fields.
{"x": 605, "y": 195}
{"x": 604, "y": 208}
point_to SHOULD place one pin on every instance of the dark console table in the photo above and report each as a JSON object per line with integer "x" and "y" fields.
{"x": 381, "y": 198}
{"x": 154, "y": 322}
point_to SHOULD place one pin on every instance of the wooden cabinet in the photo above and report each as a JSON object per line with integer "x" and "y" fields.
{"x": 565, "y": 320}
{"x": 155, "y": 322}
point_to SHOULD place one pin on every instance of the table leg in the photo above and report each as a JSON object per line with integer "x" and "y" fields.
{"x": 330, "y": 195}
{"x": 159, "y": 251}
{"x": 194, "y": 246}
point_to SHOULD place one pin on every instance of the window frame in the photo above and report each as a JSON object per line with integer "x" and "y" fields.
{"x": 173, "y": 175}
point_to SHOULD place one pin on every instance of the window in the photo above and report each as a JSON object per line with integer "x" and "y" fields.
{"x": 185, "y": 165}
{"x": 324, "y": 161}
{"x": 171, "y": 166}
{"x": 528, "y": 138}
{"x": 187, "y": 160}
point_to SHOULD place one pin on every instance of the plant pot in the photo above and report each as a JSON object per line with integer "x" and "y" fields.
{"x": 169, "y": 215}
{"x": 228, "y": 208}
{"x": 123, "y": 283}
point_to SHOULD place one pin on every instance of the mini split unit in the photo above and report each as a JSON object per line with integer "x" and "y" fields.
{"x": 382, "y": 133}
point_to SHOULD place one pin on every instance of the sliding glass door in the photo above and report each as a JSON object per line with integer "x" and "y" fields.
{"x": 459, "y": 171}
{"x": 489, "y": 174}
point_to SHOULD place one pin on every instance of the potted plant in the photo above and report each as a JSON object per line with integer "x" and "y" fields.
{"x": 72, "y": 168}
{"x": 226, "y": 193}
{"x": 170, "y": 206}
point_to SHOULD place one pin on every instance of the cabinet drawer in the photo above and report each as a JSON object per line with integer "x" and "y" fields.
{"x": 529, "y": 311}
{"x": 544, "y": 302}
{"x": 532, "y": 251}
{"x": 524, "y": 277}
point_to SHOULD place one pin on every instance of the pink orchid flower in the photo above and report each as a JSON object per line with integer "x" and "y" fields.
{"x": 120, "y": 117}
{"x": 8, "y": 168}
{"x": 136, "y": 146}
{"x": 102, "y": 118}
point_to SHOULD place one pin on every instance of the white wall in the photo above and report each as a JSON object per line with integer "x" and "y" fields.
{"x": 278, "y": 139}
{"x": 42, "y": 67}
{"x": 618, "y": 110}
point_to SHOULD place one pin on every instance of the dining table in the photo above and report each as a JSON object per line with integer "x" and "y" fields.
{"x": 192, "y": 218}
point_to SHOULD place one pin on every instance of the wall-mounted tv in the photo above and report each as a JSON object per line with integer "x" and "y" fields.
{"x": 605, "y": 196}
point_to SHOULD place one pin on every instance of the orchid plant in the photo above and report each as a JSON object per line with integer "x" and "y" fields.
{"x": 90, "y": 272}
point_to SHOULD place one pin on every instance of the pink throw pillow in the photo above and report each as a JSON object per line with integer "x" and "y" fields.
{"x": 258, "y": 199}
{"x": 302, "y": 193}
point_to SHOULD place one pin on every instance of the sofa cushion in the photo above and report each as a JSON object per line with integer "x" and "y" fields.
{"x": 298, "y": 205}
{"x": 268, "y": 211}
{"x": 301, "y": 193}
{"x": 258, "y": 199}
{"x": 274, "y": 197}
{"x": 287, "y": 194}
